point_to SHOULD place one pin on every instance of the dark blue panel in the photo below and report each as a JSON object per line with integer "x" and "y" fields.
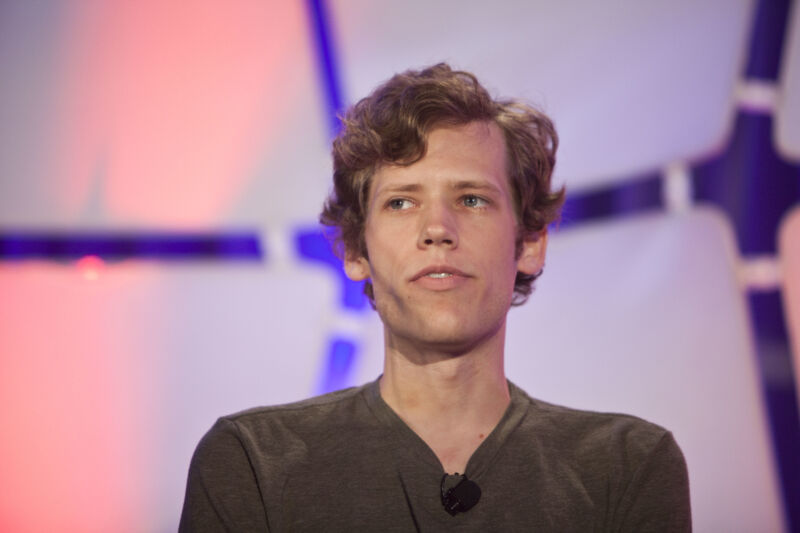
{"x": 642, "y": 193}
{"x": 766, "y": 39}
{"x": 755, "y": 188}
{"x": 751, "y": 183}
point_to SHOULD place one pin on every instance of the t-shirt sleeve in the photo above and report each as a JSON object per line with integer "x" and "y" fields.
{"x": 222, "y": 492}
{"x": 657, "y": 497}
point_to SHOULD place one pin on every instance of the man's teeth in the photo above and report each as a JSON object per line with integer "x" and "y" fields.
{"x": 439, "y": 275}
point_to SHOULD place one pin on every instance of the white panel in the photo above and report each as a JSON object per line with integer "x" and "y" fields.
{"x": 29, "y": 39}
{"x": 789, "y": 248}
{"x": 631, "y": 85}
{"x": 787, "y": 119}
{"x": 234, "y": 340}
{"x": 644, "y": 316}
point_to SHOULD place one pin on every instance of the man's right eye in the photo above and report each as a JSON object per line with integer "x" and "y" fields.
{"x": 399, "y": 203}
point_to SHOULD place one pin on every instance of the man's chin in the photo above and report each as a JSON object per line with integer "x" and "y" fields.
{"x": 453, "y": 339}
{"x": 442, "y": 327}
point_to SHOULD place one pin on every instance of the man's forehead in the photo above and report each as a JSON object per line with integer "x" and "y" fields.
{"x": 463, "y": 156}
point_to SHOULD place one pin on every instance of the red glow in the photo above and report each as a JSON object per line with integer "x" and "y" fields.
{"x": 75, "y": 449}
{"x": 171, "y": 104}
{"x": 90, "y": 267}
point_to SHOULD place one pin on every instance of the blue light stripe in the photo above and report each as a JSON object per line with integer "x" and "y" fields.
{"x": 338, "y": 366}
{"x": 314, "y": 246}
{"x": 168, "y": 246}
{"x": 327, "y": 62}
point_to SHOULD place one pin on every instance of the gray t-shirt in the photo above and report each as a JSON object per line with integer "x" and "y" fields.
{"x": 346, "y": 462}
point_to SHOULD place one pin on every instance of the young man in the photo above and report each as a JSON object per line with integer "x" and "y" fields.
{"x": 442, "y": 198}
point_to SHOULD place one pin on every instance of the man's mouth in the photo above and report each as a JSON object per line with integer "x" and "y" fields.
{"x": 439, "y": 272}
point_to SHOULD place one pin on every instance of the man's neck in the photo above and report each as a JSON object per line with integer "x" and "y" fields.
{"x": 451, "y": 401}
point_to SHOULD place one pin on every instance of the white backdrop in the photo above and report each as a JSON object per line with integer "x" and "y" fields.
{"x": 145, "y": 116}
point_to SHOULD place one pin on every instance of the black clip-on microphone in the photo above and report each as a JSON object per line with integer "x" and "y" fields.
{"x": 460, "y": 498}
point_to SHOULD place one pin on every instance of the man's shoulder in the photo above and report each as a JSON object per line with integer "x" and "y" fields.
{"x": 591, "y": 421}
{"x": 593, "y": 435}
{"x": 321, "y": 405}
{"x": 298, "y": 426}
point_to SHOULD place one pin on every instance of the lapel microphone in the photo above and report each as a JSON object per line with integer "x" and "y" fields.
{"x": 460, "y": 498}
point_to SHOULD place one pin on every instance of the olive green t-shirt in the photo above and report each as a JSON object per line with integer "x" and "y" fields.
{"x": 346, "y": 462}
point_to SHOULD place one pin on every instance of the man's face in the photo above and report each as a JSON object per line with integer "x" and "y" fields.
{"x": 440, "y": 235}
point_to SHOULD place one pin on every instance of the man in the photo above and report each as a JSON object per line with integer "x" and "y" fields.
{"x": 442, "y": 199}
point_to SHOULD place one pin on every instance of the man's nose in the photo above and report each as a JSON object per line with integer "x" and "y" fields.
{"x": 438, "y": 228}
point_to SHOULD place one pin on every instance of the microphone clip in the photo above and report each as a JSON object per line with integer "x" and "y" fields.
{"x": 460, "y": 498}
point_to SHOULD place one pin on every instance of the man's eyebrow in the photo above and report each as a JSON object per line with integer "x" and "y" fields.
{"x": 409, "y": 187}
{"x": 456, "y": 185}
{"x": 480, "y": 185}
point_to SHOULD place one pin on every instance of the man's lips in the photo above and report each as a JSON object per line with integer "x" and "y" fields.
{"x": 439, "y": 269}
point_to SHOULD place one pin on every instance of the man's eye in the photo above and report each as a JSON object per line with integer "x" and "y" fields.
{"x": 471, "y": 200}
{"x": 399, "y": 203}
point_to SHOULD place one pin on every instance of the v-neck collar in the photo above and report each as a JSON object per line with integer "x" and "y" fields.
{"x": 419, "y": 470}
{"x": 482, "y": 457}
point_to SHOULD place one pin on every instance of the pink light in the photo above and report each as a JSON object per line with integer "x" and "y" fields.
{"x": 177, "y": 98}
{"x": 74, "y": 398}
{"x": 90, "y": 267}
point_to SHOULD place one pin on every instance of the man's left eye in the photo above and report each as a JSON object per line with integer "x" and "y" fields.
{"x": 471, "y": 200}
{"x": 396, "y": 204}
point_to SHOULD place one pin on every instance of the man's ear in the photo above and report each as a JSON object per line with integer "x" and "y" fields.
{"x": 356, "y": 267}
{"x": 531, "y": 258}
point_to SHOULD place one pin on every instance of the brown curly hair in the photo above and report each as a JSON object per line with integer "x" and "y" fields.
{"x": 391, "y": 125}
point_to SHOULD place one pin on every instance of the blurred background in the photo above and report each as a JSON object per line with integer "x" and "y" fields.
{"x": 162, "y": 166}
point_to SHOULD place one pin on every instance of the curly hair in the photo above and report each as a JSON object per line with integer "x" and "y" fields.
{"x": 391, "y": 125}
